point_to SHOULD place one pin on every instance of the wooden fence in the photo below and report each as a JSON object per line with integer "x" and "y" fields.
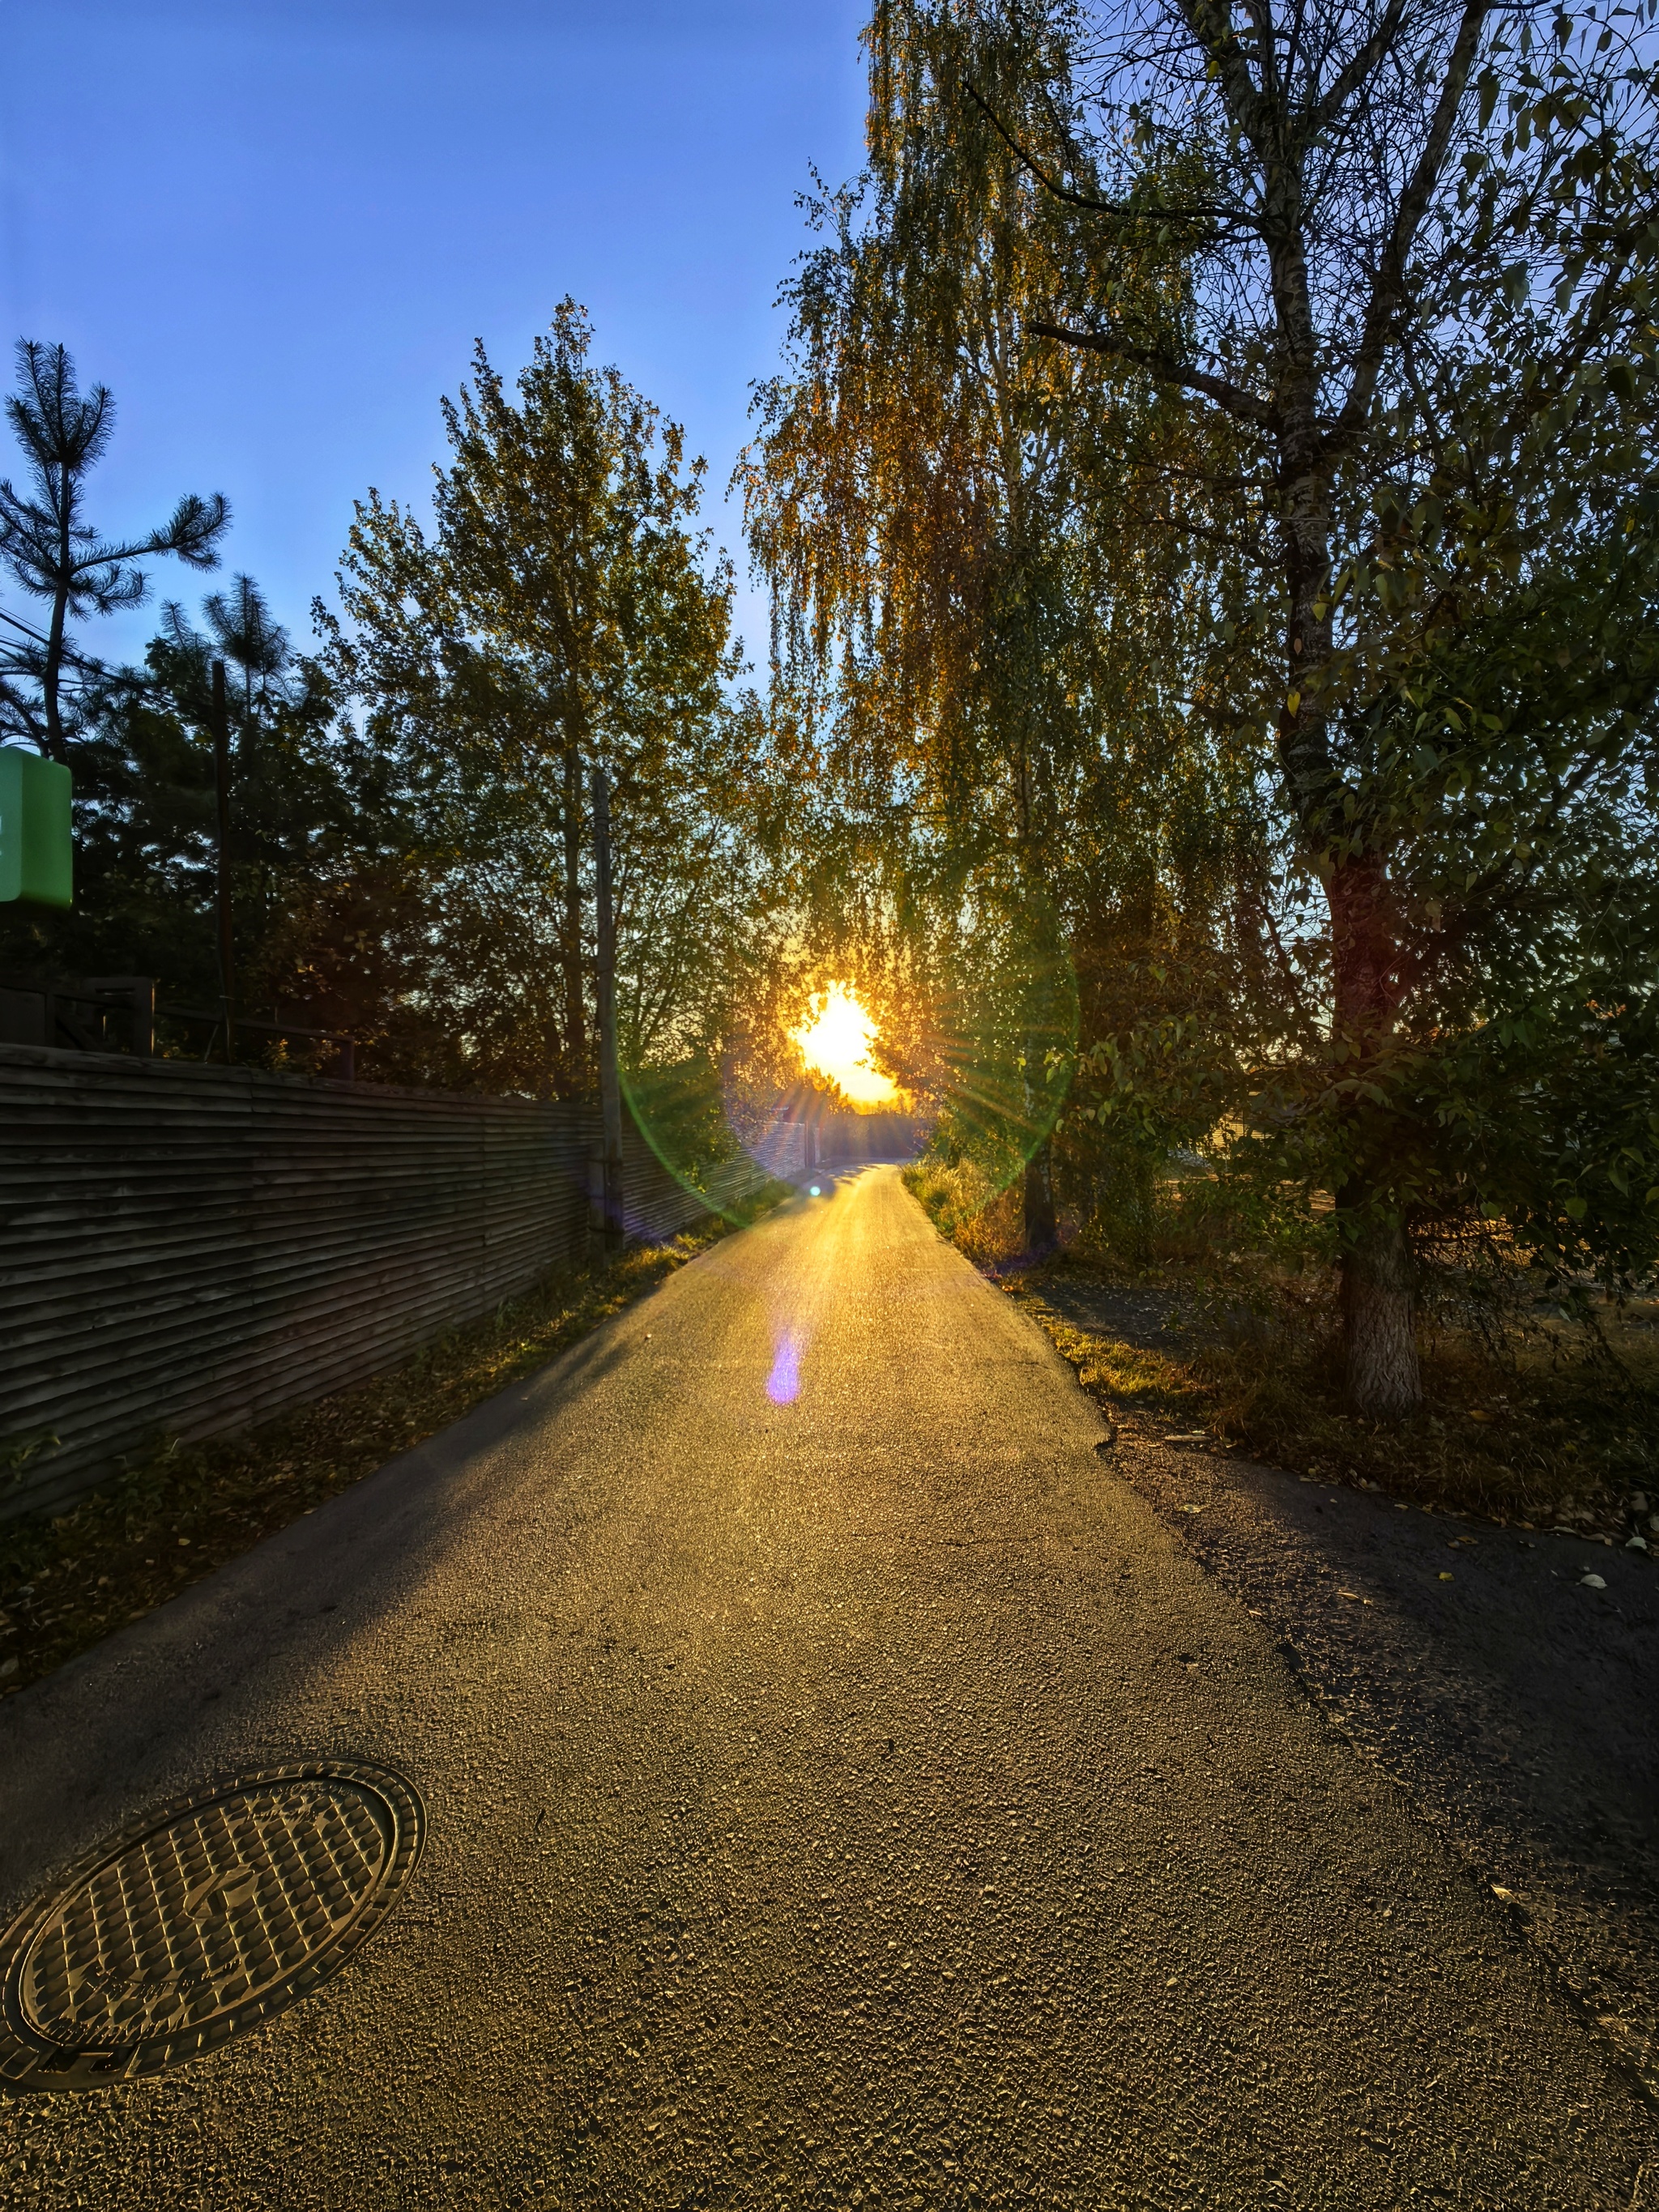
{"x": 191, "y": 1250}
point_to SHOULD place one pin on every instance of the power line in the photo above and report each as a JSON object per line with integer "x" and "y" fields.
{"x": 94, "y": 668}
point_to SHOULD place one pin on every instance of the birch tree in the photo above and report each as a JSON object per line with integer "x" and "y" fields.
{"x": 1002, "y": 707}
{"x": 1419, "y": 244}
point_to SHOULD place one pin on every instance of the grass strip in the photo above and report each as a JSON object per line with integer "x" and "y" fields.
{"x": 1548, "y": 1426}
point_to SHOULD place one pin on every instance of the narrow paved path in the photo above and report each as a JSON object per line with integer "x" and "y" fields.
{"x": 860, "y": 1799}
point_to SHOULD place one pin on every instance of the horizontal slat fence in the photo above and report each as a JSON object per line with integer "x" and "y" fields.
{"x": 193, "y": 1249}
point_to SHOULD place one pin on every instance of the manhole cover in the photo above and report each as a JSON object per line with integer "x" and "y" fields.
{"x": 201, "y": 1921}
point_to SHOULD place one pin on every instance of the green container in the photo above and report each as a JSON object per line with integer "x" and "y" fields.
{"x": 37, "y": 850}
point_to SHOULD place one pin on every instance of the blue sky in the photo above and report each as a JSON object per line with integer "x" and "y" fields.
{"x": 276, "y": 227}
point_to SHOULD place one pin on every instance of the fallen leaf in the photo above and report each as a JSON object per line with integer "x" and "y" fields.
{"x": 1475, "y": 1414}
{"x": 1355, "y": 1595}
{"x": 1591, "y": 1581}
{"x": 1444, "y": 1577}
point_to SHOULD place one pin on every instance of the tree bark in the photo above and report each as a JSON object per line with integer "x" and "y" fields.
{"x": 1042, "y": 1223}
{"x": 575, "y": 1021}
{"x": 1379, "y": 1313}
{"x": 1383, "y": 1376}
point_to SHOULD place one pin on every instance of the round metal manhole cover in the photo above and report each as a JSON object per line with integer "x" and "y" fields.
{"x": 201, "y": 1921}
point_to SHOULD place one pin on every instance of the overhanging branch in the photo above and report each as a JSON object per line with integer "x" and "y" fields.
{"x": 1087, "y": 201}
{"x": 1231, "y": 398}
{"x": 1388, "y": 286}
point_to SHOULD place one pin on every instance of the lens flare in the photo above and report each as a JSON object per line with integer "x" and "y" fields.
{"x": 834, "y": 1041}
{"x": 783, "y": 1383}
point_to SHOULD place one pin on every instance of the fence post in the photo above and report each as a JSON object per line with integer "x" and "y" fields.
{"x": 596, "y": 1204}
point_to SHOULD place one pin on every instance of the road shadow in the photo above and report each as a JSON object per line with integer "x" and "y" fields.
{"x": 1476, "y": 1665}
{"x": 825, "y": 1180}
{"x": 229, "y": 1674}
{"x": 1148, "y": 1320}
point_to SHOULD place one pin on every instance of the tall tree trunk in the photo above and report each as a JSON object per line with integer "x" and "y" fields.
{"x": 1379, "y": 1307}
{"x": 1383, "y": 1376}
{"x": 575, "y": 1019}
{"x": 52, "y": 671}
{"x": 1042, "y": 1223}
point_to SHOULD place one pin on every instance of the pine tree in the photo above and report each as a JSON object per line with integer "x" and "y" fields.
{"x": 51, "y": 549}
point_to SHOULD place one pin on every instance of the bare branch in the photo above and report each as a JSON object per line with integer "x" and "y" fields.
{"x": 1243, "y": 405}
{"x": 1069, "y": 194}
{"x": 1388, "y": 285}
{"x": 1316, "y": 120}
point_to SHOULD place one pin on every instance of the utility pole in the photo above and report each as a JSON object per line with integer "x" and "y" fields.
{"x": 221, "y": 796}
{"x": 610, "y": 1073}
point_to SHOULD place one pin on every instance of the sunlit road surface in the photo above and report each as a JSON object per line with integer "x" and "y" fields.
{"x": 853, "y": 1800}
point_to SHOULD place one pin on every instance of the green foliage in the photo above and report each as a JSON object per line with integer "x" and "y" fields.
{"x": 1005, "y": 1038}
{"x": 409, "y": 849}
{"x": 978, "y": 1216}
{"x": 680, "y": 1110}
{"x": 1340, "y": 340}
{"x": 1015, "y": 803}
{"x": 52, "y": 551}
{"x": 144, "y": 816}
{"x": 560, "y": 616}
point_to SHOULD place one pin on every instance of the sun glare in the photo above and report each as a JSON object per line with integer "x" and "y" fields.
{"x": 834, "y": 1041}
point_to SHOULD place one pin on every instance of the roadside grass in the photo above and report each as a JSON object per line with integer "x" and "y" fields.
{"x": 984, "y": 1224}
{"x": 177, "y": 1511}
{"x": 1529, "y": 1417}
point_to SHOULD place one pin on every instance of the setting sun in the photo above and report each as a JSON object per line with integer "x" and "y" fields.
{"x": 834, "y": 1041}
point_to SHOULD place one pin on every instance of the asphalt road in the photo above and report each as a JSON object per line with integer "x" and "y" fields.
{"x": 858, "y": 1799}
